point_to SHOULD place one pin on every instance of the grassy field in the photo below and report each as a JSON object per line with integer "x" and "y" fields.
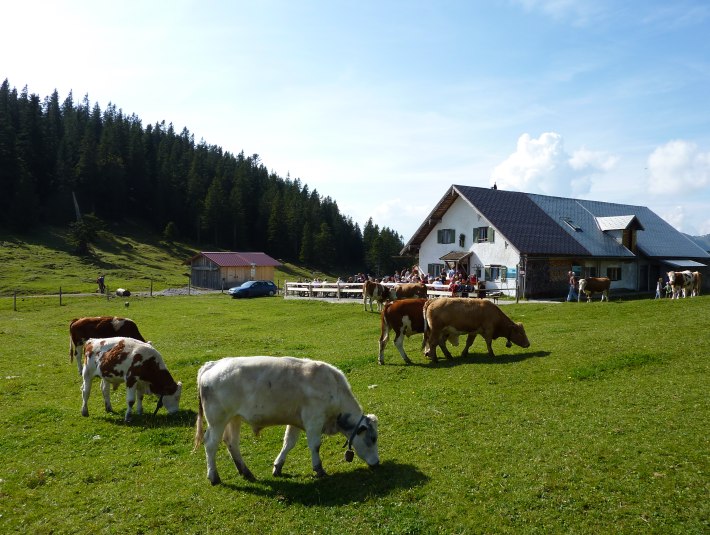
{"x": 41, "y": 263}
{"x": 600, "y": 426}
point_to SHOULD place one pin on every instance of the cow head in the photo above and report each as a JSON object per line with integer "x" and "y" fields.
{"x": 363, "y": 438}
{"x": 671, "y": 277}
{"x": 518, "y": 336}
{"x": 172, "y": 401}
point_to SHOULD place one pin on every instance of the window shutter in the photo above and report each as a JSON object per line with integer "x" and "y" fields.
{"x": 503, "y": 273}
{"x": 491, "y": 234}
{"x": 475, "y": 235}
{"x": 439, "y": 236}
{"x": 488, "y": 273}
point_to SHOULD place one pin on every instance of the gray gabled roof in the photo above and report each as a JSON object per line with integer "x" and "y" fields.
{"x": 558, "y": 226}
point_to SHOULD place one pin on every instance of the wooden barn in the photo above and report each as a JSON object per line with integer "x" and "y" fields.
{"x": 223, "y": 270}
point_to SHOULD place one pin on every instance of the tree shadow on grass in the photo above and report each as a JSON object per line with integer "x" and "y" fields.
{"x": 338, "y": 489}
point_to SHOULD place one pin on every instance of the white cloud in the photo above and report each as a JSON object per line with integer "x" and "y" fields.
{"x": 543, "y": 165}
{"x": 678, "y": 166}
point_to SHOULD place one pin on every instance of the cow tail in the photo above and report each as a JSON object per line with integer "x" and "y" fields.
{"x": 426, "y": 324}
{"x": 199, "y": 431}
{"x": 72, "y": 348}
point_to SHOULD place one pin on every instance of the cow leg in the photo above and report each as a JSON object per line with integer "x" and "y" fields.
{"x": 290, "y": 439}
{"x": 313, "y": 437}
{"x": 399, "y": 344}
{"x": 489, "y": 343}
{"x": 384, "y": 338}
{"x": 469, "y": 342}
{"x": 85, "y": 391}
{"x": 130, "y": 401}
{"x": 444, "y": 349}
{"x": 106, "y": 391}
{"x": 211, "y": 440}
{"x": 430, "y": 350}
{"x": 231, "y": 439}
{"x": 140, "y": 392}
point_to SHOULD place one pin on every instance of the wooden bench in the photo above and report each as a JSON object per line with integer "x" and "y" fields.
{"x": 494, "y": 296}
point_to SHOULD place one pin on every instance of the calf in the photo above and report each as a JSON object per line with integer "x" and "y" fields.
{"x": 82, "y": 329}
{"x": 461, "y": 315}
{"x": 405, "y": 318}
{"x": 681, "y": 282}
{"x": 265, "y": 391}
{"x": 117, "y": 360}
{"x": 374, "y": 291}
{"x": 589, "y": 285}
{"x": 409, "y": 290}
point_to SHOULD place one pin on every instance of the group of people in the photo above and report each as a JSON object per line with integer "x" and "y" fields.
{"x": 456, "y": 281}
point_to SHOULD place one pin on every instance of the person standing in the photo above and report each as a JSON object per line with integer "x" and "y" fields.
{"x": 100, "y": 282}
{"x": 659, "y": 287}
{"x": 572, "y": 295}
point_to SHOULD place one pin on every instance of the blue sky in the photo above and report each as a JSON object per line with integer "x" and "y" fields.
{"x": 383, "y": 105}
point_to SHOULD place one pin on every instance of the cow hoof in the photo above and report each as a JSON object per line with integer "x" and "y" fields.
{"x": 277, "y": 470}
{"x": 320, "y": 472}
{"x": 84, "y": 413}
{"x": 215, "y": 480}
{"x": 248, "y": 475}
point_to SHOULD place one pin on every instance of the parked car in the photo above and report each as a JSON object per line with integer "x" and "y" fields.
{"x": 254, "y": 289}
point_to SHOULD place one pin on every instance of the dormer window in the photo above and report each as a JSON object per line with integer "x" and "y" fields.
{"x": 571, "y": 224}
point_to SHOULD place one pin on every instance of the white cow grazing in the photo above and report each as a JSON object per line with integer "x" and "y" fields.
{"x": 265, "y": 391}
{"x": 119, "y": 359}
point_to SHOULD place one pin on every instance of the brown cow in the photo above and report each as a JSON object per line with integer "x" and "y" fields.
{"x": 697, "y": 283}
{"x": 589, "y": 285}
{"x": 374, "y": 291}
{"x": 461, "y": 315}
{"x": 409, "y": 290}
{"x": 682, "y": 282}
{"x": 405, "y": 318}
{"x": 82, "y": 329}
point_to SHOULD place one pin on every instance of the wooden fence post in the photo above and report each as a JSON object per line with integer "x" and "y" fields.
{"x": 14, "y": 301}
{"x": 60, "y": 296}
{"x": 151, "y": 287}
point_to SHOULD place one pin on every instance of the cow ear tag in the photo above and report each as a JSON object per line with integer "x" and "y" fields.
{"x": 349, "y": 455}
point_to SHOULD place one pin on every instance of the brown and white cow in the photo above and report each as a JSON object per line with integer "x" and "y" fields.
{"x": 590, "y": 285}
{"x": 697, "y": 283}
{"x": 264, "y": 391}
{"x": 681, "y": 282}
{"x": 126, "y": 360}
{"x": 81, "y": 329}
{"x": 405, "y": 318}
{"x": 408, "y": 290}
{"x": 374, "y": 291}
{"x": 461, "y": 315}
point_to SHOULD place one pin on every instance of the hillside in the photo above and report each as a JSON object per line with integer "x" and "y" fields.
{"x": 42, "y": 261}
{"x": 702, "y": 241}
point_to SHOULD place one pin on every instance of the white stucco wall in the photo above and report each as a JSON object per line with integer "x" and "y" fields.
{"x": 463, "y": 218}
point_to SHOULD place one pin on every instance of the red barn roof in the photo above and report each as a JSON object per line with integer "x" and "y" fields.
{"x": 225, "y": 259}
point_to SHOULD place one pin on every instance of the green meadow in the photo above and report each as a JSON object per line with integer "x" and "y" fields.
{"x": 600, "y": 426}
